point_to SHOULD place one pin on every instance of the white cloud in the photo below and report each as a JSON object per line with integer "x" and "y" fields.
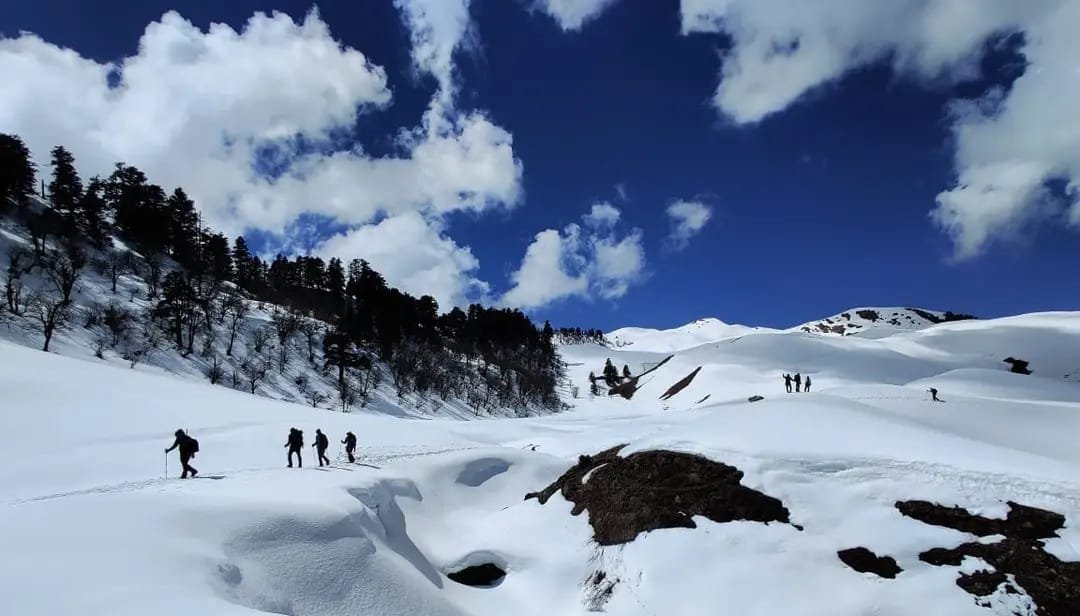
{"x": 1007, "y": 145}
{"x": 196, "y": 109}
{"x": 573, "y": 14}
{"x": 687, "y": 219}
{"x": 432, "y": 264}
{"x": 437, "y": 29}
{"x": 578, "y": 262}
{"x": 620, "y": 191}
{"x": 602, "y": 215}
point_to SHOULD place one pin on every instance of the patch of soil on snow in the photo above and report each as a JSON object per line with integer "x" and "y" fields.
{"x": 865, "y": 561}
{"x": 1052, "y": 584}
{"x": 655, "y": 489}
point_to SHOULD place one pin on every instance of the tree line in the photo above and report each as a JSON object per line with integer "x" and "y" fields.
{"x": 200, "y": 282}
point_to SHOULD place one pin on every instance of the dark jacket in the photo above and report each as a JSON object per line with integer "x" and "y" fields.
{"x": 296, "y": 439}
{"x": 186, "y": 445}
{"x": 350, "y": 441}
{"x": 321, "y": 441}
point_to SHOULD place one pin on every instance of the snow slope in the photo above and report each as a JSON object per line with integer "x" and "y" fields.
{"x": 97, "y": 530}
{"x": 874, "y": 322}
{"x": 692, "y": 334}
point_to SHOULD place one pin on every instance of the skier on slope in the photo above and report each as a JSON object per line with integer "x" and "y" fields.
{"x": 350, "y": 446}
{"x": 295, "y": 445}
{"x": 188, "y": 448}
{"x": 321, "y": 443}
{"x": 807, "y": 388}
{"x": 787, "y": 382}
{"x": 933, "y": 395}
{"x": 798, "y": 382}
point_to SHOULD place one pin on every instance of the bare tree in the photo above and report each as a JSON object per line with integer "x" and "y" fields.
{"x": 64, "y": 270}
{"x": 260, "y": 337}
{"x": 138, "y": 344}
{"x": 346, "y": 394}
{"x": 215, "y": 371}
{"x": 20, "y": 262}
{"x": 286, "y": 323}
{"x": 235, "y": 310}
{"x": 254, "y": 368}
{"x": 155, "y": 263}
{"x": 315, "y": 397}
{"x": 114, "y": 264}
{"x": 367, "y": 382}
{"x": 311, "y": 329}
{"x": 117, "y": 320}
{"x": 50, "y": 314}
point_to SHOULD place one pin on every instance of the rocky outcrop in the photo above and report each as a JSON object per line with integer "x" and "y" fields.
{"x": 865, "y": 561}
{"x": 656, "y": 489}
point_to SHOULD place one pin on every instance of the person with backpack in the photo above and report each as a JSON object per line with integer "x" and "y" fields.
{"x": 787, "y": 382}
{"x": 188, "y": 448}
{"x": 933, "y": 395}
{"x": 321, "y": 443}
{"x": 798, "y": 382}
{"x": 807, "y": 387}
{"x": 295, "y": 445}
{"x": 350, "y": 446}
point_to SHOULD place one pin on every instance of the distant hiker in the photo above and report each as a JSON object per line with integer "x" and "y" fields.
{"x": 350, "y": 446}
{"x": 787, "y": 382}
{"x": 321, "y": 443}
{"x": 798, "y": 382}
{"x": 933, "y": 395}
{"x": 295, "y": 445}
{"x": 188, "y": 448}
{"x": 807, "y": 388}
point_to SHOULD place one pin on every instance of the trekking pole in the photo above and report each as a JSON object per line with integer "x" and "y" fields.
{"x": 166, "y": 465}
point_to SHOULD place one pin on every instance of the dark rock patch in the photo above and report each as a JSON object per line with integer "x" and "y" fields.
{"x": 869, "y": 315}
{"x": 485, "y": 575}
{"x": 1022, "y": 522}
{"x": 1054, "y": 585}
{"x": 680, "y": 385}
{"x": 656, "y": 489}
{"x": 755, "y": 398}
{"x": 865, "y": 561}
{"x": 1017, "y": 366}
{"x": 629, "y": 386}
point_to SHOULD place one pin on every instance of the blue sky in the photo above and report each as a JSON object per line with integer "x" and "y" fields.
{"x": 457, "y": 150}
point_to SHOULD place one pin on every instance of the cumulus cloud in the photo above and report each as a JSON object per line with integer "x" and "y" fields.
{"x": 433, "y": 264}
{"x": 201, "y": 109}
{"x": 1007, "y": 145}
{"x": 585, "y": 262}
{"x": 573, "y": 14}
{"x": 687, "y": 219}
{"x": 603, "y": 215}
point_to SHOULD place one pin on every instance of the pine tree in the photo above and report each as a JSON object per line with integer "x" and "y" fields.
{"x": 184, "y": 231}
{"x": 626, "y": 371}
{"x": 335, "y": 282}
{"x": 216, "y": 256}
{"x": 18, "y": 175}
{"x": 243, "y": 263}
{"x": 611, "y": 373}
{"x": 93, "y": 214}
{"x": 65, "y": 189}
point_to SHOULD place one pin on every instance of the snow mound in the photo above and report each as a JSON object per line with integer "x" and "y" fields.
{"x": 690, "y": 335}
{"x": 877, "y": 322}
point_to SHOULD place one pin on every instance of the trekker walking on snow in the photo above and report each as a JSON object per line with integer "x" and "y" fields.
{"x": 295, "y": 445}
{"x": 787, "y": 382}
{"x": 933, "y": 395}
{"x": 188, "y": 448}
{"x": 798, "y": 382}
{"x": 350, "y": 446}
{"x": 321, "y": 443}
{"x": 807, "y": 388}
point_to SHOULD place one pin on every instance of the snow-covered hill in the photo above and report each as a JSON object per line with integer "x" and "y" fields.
{"x": 98, "y": 530}
{"x": 873, "y": 322}
{"x": 692, "y": 334}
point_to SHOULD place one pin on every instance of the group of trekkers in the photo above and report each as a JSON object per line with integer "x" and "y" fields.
{"x": 798, "y": 381}
{"x": 188, "y": 447}
{"x": 295, "y": 443}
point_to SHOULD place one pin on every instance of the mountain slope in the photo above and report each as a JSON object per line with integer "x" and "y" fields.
{"x": 690, "y": 335}
{"x": 876, "y": 321}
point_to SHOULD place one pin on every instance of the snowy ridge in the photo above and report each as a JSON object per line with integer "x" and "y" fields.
{"x": 692, "y": 334}
{"x": 870, "y": 321}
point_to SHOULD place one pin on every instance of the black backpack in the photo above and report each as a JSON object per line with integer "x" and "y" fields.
{"x": 194, "y": 445}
